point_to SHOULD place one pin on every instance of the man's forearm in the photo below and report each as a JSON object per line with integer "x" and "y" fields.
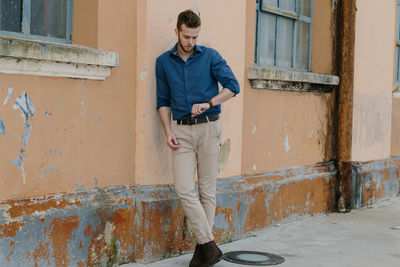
{"x": 224, "y": 95}
{"x": 165, "y": 115}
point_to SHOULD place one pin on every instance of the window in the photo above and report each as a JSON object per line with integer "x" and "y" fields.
{"x": 48, "y": 20}
{"x": 283, "y": 34}
{"x": 397, "y": 71}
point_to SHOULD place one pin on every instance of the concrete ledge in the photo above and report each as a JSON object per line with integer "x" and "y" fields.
{"x": 19, "y": 56}
{"x": 396, "y": 90}
{"x": 101, "y": 227}
{"x": 276, "y": 79}
{"x": 374, "y": 180}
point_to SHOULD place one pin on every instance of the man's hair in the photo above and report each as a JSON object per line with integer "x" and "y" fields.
{"x": 189, "y": 18}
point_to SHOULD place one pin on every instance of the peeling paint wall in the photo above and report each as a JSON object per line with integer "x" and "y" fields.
{"x": 375, "y": 180}
{"x": 60, "y": 134}
{"x": 102, "y": 227}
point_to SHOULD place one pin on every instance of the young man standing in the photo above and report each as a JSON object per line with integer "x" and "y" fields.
{"x": 187, "y": 85}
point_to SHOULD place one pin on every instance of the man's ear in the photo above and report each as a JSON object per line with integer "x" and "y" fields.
{"x": 176, "y": 32}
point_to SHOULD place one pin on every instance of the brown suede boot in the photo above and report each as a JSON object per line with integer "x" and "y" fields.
{"x": 210, "y": 254}
{"x": 196, "y": 260}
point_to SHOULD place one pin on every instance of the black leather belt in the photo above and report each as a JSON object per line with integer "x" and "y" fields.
{"x": 198, "y": 120}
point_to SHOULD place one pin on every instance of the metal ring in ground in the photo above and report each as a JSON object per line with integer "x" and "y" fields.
{"x": 255, "y": 258}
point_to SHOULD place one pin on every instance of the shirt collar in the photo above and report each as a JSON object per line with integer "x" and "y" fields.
{"x": 197, "y": 50}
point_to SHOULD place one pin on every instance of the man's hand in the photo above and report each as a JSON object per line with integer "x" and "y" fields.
{"x": 172, "y": 143}
{"x": 197, "y": 109}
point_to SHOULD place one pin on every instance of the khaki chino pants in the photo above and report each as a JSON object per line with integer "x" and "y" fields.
{"x": 199, "y": 147}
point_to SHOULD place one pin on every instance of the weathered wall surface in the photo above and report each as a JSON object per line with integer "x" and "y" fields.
{"x": 373, "y": 79}
{"x": 102, "y": 227}
{"x": 158, "y": 18}
{"x": 61, "y": 134}
{"x": 282, "y": 129}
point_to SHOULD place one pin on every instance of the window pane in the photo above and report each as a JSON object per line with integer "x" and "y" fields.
{"x": 49, "y": 17}
{"x": 271, "y": 2}
{"x": 285, "y": 43}
{"x": 397, "y": 63}
{"x": 398, "y": 22}
{"x": 266, "y": 39}
{"x": 305, "y": 8}
{"x": 302, "y": 45}
{"x": 288, "y": 4}
{"x": 10, "y": 15}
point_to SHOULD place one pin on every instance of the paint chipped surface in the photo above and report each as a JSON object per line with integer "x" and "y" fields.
{"x": 286, "y": 143}
{"x": 2, "y": 127}
{"x": 102, "y": 227}
{"x": 25, "y": 105}
{"x": 224, "y": 155}
{"x": 254, "y": 129}
{"x": 143, "y": 74}
{"x": 10, "y": 91}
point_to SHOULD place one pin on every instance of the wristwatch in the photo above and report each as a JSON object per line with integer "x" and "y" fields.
{"x": 210, "y": 103}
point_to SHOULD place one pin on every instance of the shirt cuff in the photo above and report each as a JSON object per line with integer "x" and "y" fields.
{"x": 234, "y": 90}
{"x": 162, "y": 104}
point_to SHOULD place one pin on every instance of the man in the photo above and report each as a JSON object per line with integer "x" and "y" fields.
{"x": 187, "y": 85}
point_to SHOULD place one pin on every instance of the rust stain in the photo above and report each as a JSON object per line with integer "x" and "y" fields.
{"x": 60, "y": 236}
{"x": 291, "y": 199}
{"x": 224, "y": 235}
{"x": 256, "y": 215}
{"x": 10, "y": 229}
{"x": 166, "y": 240}
{"x": 125, "y": 231}
{"x": 97, "y": 247}
{"x": 87, "y": 230}
{"x": 42, "y": 251}
{"x": 12, "y": 246}
{"x": 30, "y": 206}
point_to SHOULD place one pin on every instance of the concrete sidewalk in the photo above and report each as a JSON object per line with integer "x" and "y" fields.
{"x": 361, "y": 238}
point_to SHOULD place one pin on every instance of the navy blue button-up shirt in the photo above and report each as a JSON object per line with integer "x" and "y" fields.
{"x": 182, "y": 84}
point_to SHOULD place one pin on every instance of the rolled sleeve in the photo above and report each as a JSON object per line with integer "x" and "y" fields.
{"x": 223, "y": 73}
{"x": 163, "y": 92}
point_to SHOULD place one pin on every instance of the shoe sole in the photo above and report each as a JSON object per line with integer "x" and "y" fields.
{"x": 218, "y": 260}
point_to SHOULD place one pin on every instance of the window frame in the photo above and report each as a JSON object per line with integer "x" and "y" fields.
{"x": 26, "y": 23}
{"x": 296, "y": 16}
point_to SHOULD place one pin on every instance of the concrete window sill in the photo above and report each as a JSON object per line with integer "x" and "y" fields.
{"x": 275, "y": 79}
{"x": 396, "y": 90}
{"x": 20, "y": 56}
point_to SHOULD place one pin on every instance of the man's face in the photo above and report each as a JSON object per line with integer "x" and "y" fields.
{"x": 187, "y": 37}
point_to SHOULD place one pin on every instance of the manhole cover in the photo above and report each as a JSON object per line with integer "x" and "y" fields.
{"x": 396, "y": 227}
{"x": 253, "y": 258}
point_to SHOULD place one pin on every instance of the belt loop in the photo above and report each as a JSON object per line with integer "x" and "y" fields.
{"x": 207, "y": 119}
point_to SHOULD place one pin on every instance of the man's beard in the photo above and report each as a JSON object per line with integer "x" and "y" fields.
{"x": 183, "y": 48}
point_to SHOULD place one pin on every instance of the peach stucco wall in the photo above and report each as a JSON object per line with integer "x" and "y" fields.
{"x": 323, "y": 30}
{"x": 373, "y": 79}
{"x": 83, "y": 131}
{"x": 395, "y": 138}
{"x": 285, "y": 129}
{"x": 153, "y": 158}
